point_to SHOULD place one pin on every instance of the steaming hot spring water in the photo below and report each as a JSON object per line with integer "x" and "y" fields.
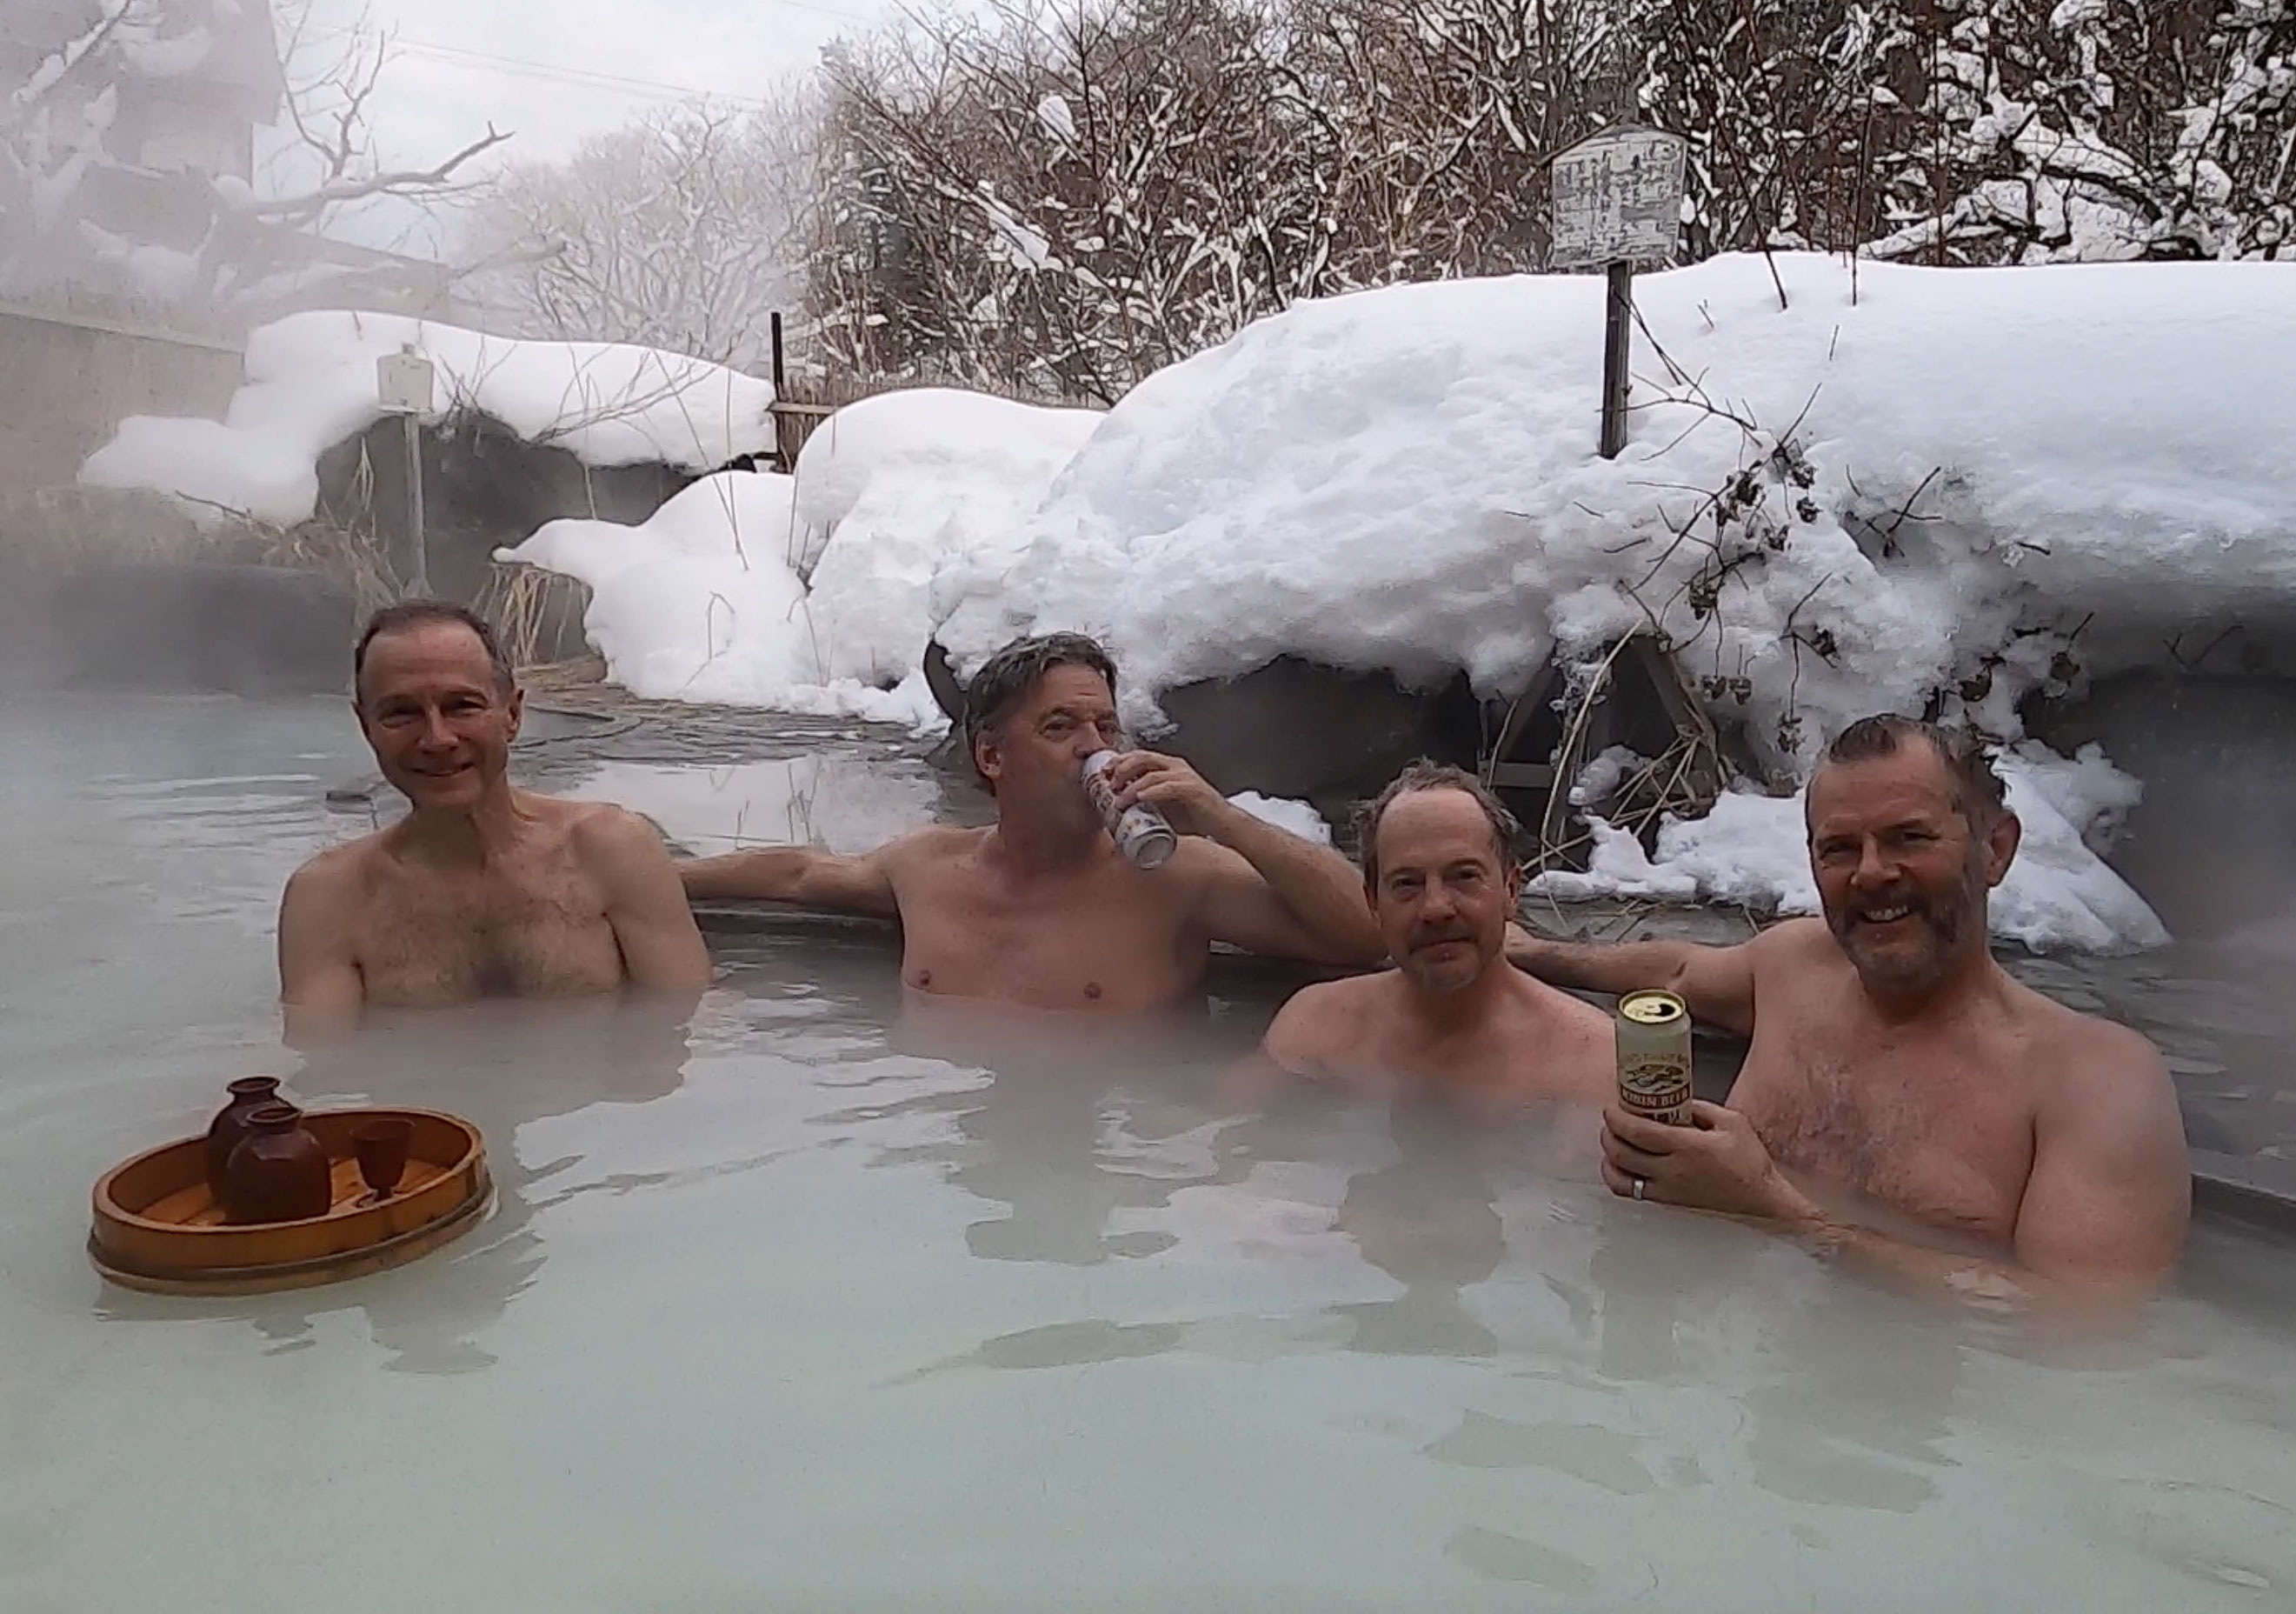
{"x": 826, "y": 1302}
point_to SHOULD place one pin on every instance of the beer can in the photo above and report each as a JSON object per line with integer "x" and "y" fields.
{"x": 1140, "y": 832}
{"x": 1653, "y": 1034}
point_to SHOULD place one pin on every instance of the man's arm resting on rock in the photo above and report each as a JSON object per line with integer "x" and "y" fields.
{"x": 806, "y": 875}
{"x": 320, "y": 987}
{"x": 662, "y": 949}
{"x": 1276, "y": 895}
{"x": 1716, "y": 983}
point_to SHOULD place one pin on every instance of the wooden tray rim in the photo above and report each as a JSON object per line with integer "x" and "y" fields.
{"x": 106, "y": 1206}
{"x": 365, "y": 1261}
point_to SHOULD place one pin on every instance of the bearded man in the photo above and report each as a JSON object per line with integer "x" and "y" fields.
{"x": 1893, "y": 1057}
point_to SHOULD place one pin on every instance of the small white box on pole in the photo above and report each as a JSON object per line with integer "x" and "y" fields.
{"x": 405, "y": 382}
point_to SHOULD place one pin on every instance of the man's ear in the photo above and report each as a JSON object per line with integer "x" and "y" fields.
{"x": 2001, "y": 844}
{"x": 987, "y": 757}
{"x": 516, "y": 706}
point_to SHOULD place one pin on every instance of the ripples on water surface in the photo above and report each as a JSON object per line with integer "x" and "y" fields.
{"x": 828, "y": 1304}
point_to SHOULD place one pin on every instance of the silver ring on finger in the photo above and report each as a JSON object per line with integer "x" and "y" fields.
{"x": 1640, "y": 1183}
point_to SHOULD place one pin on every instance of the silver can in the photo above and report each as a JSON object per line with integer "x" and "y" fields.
{"x": 1653, "y": 1035}
{"x": 1139, "y": 831}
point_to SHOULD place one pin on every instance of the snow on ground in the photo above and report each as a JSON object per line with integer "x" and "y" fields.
{"x": 910, "y": 493}
{"x": 1752, "y": 850}
{"x": 698, "y": 603}
{"x": 311, "y": 384}
{"x": 1406, "y": 479}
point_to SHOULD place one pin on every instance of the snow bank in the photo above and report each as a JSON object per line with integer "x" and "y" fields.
{"x": 1297, "y": 817}
{"x": 1406, "y": 479}
{"x": 311, "y": 384}
{"x": 910, "y": 493}
{"x": 1752, "y": 850}
{"x": 815, "y": 594}
{"x": 698, "y": 604}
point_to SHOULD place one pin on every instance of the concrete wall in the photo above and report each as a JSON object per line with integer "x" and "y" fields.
{"x": 66, "y": 383}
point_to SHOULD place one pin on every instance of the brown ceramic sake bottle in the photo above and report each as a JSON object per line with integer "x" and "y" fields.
{"x": 249, "y": 1094}
{"x": 279, "y": 1173}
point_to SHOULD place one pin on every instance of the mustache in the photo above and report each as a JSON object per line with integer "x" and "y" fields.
{"x": 1912, "y": 901}
{"x": 1434, "y": 936}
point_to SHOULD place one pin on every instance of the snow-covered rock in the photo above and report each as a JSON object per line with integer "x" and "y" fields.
{"x": 311, "y": 384}
{"x": 907, "y": 495}
{"x": 1752, "y": 849}
{"x": 698, "y": 603}
{"x": 1407, "y": 479}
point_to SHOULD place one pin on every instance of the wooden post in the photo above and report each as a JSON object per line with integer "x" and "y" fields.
{"x": 1617, "y": 353}
{"x": 404, "y": 384}
{"x": 419, "y": 585}
{"x": 780, "y": 373}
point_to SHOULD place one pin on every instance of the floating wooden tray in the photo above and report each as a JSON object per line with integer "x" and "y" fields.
{"x": 159, "y": 1229}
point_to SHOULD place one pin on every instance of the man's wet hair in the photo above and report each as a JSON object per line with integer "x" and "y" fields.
{"x": 403, "y": 614}
{"x": 1976, "y": 792}
{"x": 1424, "y": 774}
{"x": 1005, "y": 678}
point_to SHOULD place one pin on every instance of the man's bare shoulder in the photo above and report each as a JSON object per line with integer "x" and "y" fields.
{"x": 1567, "y": 1011}
{"x": 1321, "y": 1022}
{"x": 600, "y": 829}
{"x": 936, "y": 846}
{"x": 602, "y": 824}
{"x": 2085, "y": 1049}
{"x": 340, "y": 871}
{"x": 1792, "y": 942}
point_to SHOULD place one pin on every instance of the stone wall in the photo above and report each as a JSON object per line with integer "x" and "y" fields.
{"x": 66, "y": 383}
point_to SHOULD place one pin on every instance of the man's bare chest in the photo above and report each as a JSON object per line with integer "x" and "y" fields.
{"x": 535, "y": 930}
{"x": 1943, "y": 1133}
{"x": 1101, "y": 943}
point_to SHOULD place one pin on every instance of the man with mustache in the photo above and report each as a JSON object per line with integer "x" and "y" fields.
{"x": 1893, "y": 1058}
{"x": 1453, "y": 1018}
{"x": 481, "y": 890}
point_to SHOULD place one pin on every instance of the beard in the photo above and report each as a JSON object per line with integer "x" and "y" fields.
{"x": 1447, "y": 974}
{"x": 1942, "y": 920}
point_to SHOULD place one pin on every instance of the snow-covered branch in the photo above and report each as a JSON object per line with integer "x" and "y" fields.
{"x": 311, "y": 206}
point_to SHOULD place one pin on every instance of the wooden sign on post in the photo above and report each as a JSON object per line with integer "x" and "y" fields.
{"x": 406, "y": 383}
{"x": 1618, "y": 201}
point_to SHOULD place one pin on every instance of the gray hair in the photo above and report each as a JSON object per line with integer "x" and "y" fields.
{"x": 1422, "y": 775}
{"x": 418, "y": 613}
{"x": 1005, "y": 678}
{"x": 1976, "y": 792}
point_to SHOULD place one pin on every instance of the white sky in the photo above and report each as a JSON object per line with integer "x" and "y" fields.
{"x": 555, "y": 70}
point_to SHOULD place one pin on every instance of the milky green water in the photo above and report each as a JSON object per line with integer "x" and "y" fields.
{"x": 820, "y": 1301}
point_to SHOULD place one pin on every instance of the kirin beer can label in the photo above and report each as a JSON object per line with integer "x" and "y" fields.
{"x": 1653, "y": 1035}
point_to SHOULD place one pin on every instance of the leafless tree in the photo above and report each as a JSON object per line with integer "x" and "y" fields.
{"x": 1059, "y": 196}
{"x": 233, "y": 251}
{"x": 684, "y": 231}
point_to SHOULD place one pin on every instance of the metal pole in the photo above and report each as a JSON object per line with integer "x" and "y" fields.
{"x": 1618, "y": 352}
{"x": 420, "y": 584}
